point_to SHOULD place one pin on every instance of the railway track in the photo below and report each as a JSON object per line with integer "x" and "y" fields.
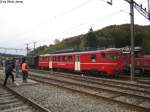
{"x": 139, "y": 79}
{"x": 105, "y": 81}
{"x": 134, "y": 99}
{"x": 11, "y": 101}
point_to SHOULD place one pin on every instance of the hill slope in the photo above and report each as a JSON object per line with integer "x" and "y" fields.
{"x": 111, "y": 36}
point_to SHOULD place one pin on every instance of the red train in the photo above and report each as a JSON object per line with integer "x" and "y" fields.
{"x": 109, "y": 61}
{"x": 142, "y": 62}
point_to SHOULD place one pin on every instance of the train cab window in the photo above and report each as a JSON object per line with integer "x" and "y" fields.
{"x": 93, "y": 58}
{"x": 64, "y": 58}
{"x": 70, "y": 58}
{"x": 54, "y": 58}
{"x": 111, "y": 56}
{"x": 59, "y": 58}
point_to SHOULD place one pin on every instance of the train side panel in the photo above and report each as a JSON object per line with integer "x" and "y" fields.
{"x": 43, "y": 62}
{"x": 63, "y": 62}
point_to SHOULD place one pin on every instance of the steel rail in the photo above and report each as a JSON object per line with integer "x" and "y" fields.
{"x": 31, "y": 102}
{"x": 103, "y": 83}
{"x": 133, "y": 106}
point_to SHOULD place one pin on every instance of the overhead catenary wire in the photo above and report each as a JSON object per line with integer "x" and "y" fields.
{"x": 67, "y": 12}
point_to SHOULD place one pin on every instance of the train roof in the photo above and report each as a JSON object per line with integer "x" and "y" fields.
{"x": 85, "y": 52}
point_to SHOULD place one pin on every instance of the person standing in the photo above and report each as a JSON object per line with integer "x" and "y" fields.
{"x": 3, "y": 65}
{"x": 8, "y": 71}
{"x": 24, "y": 68}
{"x": 17, "y": 67}
{"x": 3, "y": 68}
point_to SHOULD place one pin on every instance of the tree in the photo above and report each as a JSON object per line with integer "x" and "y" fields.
{"x": 56, "y": 41}
{"x": 90, "y": 40}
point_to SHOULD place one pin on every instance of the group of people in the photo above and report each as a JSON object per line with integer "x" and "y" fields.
{"x": 10, "y": 66}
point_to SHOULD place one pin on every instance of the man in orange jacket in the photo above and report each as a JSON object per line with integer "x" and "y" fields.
{"x": 24, "y": 68}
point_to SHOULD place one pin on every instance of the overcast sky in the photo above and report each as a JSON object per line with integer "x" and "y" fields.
{"x": 45, "y": 20}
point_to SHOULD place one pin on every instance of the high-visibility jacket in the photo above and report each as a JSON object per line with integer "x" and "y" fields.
{"x": 24, "y": 67}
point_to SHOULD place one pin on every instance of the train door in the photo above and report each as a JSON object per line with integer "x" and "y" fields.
{"x": 77, "y": 63}
{"x": 50, "y": 62}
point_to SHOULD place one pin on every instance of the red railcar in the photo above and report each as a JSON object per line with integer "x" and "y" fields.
{"x": 142, "y": 63}
{"x": 108, "y": 61}
{"x": 43, "y": 61}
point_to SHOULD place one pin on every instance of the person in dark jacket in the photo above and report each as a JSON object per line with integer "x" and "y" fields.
{"x": 8, "y": 71}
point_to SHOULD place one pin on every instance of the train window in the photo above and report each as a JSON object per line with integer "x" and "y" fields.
{"x": 70, "y": 58}
{"x": 54, "y": 58}
{"x": 40, "y": 59}
{"x": 111, "y": 56}
{"x": 59, "y": 58}
{"x": 145, "y": 63}
{"x": 50, "y": 58}
{"x": 64, "y": 58}
{"x": 93, "y": 57}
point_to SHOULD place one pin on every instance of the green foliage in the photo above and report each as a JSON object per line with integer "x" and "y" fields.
{"x": 89, "y": 41}
{"x": 112, "y": 36}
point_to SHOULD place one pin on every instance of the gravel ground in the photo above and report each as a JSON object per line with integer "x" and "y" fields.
{"x": 62, "y": 100}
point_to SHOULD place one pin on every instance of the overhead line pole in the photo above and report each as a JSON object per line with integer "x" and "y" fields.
{"x": 149, "y": 6}
{"x": 143, "y": 12}
{"x": 27, "y": 48}
{"x": 131, "y": 2}
{"x": 34, "y": 47}
{"x": 132, "y": 39}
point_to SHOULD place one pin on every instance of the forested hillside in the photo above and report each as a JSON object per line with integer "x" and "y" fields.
{"x": 112, "y": 36}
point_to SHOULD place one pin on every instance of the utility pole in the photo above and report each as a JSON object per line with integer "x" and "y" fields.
{"x": 149, "y": 6}
{"x": 146, "y": 14}
{"x": 110, "y": 2}
{"x": 27, "y": 48}
{"x": 132, "y": 38}
{"x": 143, "y": 12}
{"x": 34, "y": 47}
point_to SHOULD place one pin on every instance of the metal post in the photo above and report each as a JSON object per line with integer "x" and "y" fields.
{"x": 149, "y": 6}
{"x": 27, "y": 49}
{"x": 34, "y": 48}
{"x": 110, "y": 2}
{"x": 132, "y": 39}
